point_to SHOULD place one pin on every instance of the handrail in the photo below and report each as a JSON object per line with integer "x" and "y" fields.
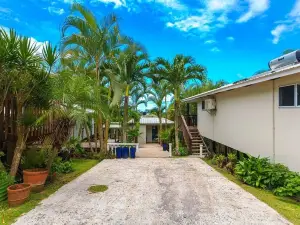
{"x": 186, "y": 127}
{"x": 207, "y": 149}
{"x": 186, "y": 133}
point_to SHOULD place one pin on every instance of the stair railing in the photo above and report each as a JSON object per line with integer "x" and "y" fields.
{"x": 186, "y": 132}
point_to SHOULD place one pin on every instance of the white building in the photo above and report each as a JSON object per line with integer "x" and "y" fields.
{"x": 149, "y": 128}
{"x": 259, "y": 115}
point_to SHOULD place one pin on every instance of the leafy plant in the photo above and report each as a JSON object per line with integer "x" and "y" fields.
{"x": 34, "y": 158}
{"x": 5, "y": 177}
{"x": 133, "y": 134}
{"x": 232, "y": 159}
{"x": 183, "y": 151}
{"x": 221, "y": 161}
{"x": 290, "y": 188}
{"x": 254, "y": 171}
{"x": 62, "y": 166}
{"x": 165, "y": 135}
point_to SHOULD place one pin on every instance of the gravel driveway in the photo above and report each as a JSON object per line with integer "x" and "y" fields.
{"x": 152, "y": 191}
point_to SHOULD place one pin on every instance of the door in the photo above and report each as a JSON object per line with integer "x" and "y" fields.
{"x": 154, "y": 134}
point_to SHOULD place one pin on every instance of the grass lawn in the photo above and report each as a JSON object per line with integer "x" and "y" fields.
{"x": 9, "y": 215}
{"x": 287, "y": 207}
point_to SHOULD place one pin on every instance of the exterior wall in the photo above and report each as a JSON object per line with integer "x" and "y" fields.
{"x": 287, "y": 127}
{"x": 142, "y": 137}
{"x": 244, "y": 121}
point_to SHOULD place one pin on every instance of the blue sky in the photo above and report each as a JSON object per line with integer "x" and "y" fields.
{"x": 231, "y": 38}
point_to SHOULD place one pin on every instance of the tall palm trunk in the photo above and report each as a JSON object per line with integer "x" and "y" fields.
{"x": 125, "y": 119}
{"x": 166, "y": 123}
{"x": 107, "y": 122}
{"x": 176, "y": 109}
{"x": 22, "y": 134}
{"x": 88, "y": 136}
{"x": 96, "y": 136}
{"x": 100, "y": 130}
{"x": 160, "y": 127}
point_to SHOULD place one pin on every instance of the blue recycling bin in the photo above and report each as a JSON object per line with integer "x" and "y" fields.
{"x": 125, "y": 152}
{"x": 132, "y": 152}
{"x": 119, "y": 152}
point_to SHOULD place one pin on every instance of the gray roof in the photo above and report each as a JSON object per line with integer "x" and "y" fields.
{"x": 269, "y": 75}
{"x": 152, "y": 120}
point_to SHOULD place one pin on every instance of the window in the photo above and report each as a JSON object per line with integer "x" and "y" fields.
{"x": 287, "y": 95}
{"x": 203, "y": 105}
{"x": 298, "y": 94}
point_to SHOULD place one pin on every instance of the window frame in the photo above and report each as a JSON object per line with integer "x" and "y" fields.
{"x": 295, "y": 95}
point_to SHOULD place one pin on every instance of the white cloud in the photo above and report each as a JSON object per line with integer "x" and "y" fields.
{"x": 256, "y": 7}
{"x": 291, "y": 22}
{"x": 54, "y": 10}
{"x": 200, "y": 23}
{"x": 117, "y": 3}
{"x": 230, "y": 38}
{"x": 220, "y": 5}
{"x": 215, "y": 49}
{"x": 209, "y": 42}
{"x": 39, "y": 44}
{"x": 173, "y": 4}
{"x": 278, "y": 31}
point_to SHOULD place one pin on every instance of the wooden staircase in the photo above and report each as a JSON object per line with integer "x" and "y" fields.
{"x": 196, "y": 141}
{"x": 192, "y": 138}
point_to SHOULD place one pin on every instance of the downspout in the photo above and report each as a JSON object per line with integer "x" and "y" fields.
{"x": 273, "y": 115}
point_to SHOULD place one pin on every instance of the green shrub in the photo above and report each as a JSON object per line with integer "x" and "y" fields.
{"x": 62, "y": 166}
{"x": 34, "y": 158}
{"x": 5, "y": 177}
{"x": 259, "y": 172}
{"x": 231, "y": 162}
{"x": 221, "y": 161}
{"x": 214, "y": 159}
{"x": 290, "y": 188}
{"x": 183, "y": 151}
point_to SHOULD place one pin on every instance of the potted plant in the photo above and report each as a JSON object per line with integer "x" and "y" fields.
{"x": 34, "y": 169}
{"x": 18, "y": 194}
{"x": 165, "y": 137}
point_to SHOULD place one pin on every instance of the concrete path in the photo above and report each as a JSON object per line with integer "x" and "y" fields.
{"x": 152, "y": 191}
{"x": 151, "y": 151}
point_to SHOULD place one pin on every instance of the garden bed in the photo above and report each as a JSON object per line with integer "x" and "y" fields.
{"x": 9, "y": 215}
{"x": 287, "y": 207}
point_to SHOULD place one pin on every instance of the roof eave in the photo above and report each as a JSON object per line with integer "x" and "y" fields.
{"x": 275, "y": 75}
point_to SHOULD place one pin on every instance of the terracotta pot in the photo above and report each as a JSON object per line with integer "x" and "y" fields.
{"x": 35, "y": 177}
{"x": 18, "y": 194}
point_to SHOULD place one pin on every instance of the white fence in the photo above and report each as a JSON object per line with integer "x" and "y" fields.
{"x": 113, "y": 146}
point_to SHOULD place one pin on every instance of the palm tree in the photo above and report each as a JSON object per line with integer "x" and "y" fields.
{"x": 157, "y": 96}
{"x": 128, "y": 67}
{"x": 95, "y": 42}
{"x": 181, "y": 70}
{"x": 138, "y": 96}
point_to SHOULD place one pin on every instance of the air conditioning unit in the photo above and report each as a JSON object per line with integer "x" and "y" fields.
{"x": 210, "y": 104}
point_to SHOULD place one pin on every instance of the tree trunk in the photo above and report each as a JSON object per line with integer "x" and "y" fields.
{"x": 96, "y": 136}
{"x": 106, "y": 133}
{"x": 22, "y": 134}
{"x": 100, "y": 130}
{"x": 166, "y": 108}
{"x": 176, "y": 110}
{"x": 51, "y": 158}
{"x": 88, "y": 136}
{"x": 125, "y": 119}
{"x": 160, "y": 128}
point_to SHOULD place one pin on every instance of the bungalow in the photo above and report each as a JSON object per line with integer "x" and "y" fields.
{"x": 259, "y": 115}
{"x": 149, "y": 128}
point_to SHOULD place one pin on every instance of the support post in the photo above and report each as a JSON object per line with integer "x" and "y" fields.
{"x": 201, "y": 151}
{"x": 170, "y": 149}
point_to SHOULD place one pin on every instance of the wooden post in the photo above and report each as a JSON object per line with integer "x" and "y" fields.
{"x": 201, "y": 151}
{"x": 170, "y": 149}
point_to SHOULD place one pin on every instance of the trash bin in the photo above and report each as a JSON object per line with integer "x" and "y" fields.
{"x": 119, "y": 152}
{"x": 132, "y": 152}
{"x": 125, "y": 152}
